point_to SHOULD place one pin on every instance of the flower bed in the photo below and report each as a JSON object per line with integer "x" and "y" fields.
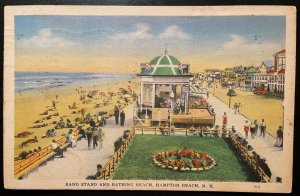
{"x": 184, "y": 160}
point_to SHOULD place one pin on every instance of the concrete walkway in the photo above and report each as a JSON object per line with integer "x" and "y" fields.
{"x": 80, "y": 162}
{"x": 263, "y": 146}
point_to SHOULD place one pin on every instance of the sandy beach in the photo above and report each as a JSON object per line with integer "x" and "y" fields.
{"x": 31, "y": 104}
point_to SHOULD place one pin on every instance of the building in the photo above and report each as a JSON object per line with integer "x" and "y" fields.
{"x": 213, "y": 75}
{"x": 260, "y": 79}
{"x": 165, "y": 93}
{"x": 239, "y": 69}
{"x": 279, "y": 60}
{"x": 279, "y": 67}
{"x": 249, "y": 75}
{"x": 271, "y": 75}
{"x": 230, "y": 72}
{"x": 280, "y": 81}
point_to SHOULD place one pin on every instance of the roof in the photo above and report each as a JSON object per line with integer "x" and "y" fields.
{"x": 167, "y": 65}
{"x": 282, "y": 71}
{"x": 239, "y": 68}
{"x": 165, "y": 60}
{"x": 252, "y": 70}
{"x": 268, "y": 63}
{"x": 165, "y": 71}
{"x": 229, "y": 69}
{"x": 281, "y": 52}
{"x": 271, "y": 72}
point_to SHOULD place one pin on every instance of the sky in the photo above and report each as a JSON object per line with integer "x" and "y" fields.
{"x": 118, "y": 44}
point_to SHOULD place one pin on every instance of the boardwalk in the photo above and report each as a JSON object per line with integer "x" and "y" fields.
{"x": 80, "y": 162}
{"x": 263, "y": 146}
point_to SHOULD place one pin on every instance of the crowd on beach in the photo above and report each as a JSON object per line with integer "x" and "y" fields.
{"x": 81, "y": 122}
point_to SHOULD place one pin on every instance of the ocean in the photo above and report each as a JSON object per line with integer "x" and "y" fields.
{"x": 28, "y": 81}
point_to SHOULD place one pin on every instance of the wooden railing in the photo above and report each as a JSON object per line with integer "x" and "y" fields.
{"x": 246, "y": 154}
{"x": 110, "y": 165}
{"x": 22, "y": 167}
{"x": 187, "y": 131}
{"x": 156, "y": 130}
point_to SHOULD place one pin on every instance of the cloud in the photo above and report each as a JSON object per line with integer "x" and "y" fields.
{"x": 46, "y": 39}
{"x": 174, "y": 31}
{"x": 235, "y": 42}
{"x": 141, "y": 32}
{"x": 239, "y": 46}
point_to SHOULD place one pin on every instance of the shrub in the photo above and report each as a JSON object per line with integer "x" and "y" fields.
{"x": 126, "y": 134}
{"x": 118, "y": 143}
{"x": 23, "y": 154}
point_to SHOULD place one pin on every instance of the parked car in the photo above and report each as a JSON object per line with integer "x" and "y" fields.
{"x": 261, "y": 91}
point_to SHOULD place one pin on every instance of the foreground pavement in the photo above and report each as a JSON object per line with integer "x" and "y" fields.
{"x": 81, "y": 162}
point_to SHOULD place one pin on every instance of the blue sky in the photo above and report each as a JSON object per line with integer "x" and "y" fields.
{"x": 203, "y": 40}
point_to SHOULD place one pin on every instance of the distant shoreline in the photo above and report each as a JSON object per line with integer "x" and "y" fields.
{"x": 45, "y": 81}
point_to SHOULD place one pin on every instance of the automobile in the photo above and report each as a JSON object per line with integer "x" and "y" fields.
{"x": 231, "y": 93}
{"x": 261, "y": 91}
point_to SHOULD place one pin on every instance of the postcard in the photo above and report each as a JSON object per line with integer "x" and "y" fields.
{"x": 149, "y": 98}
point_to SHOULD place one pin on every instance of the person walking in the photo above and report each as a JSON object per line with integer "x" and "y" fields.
{"x": 92, "y": 123}
{"x": 53, "y": 104}
{"x": 279, "y": 139}
{"x": 82, "y": 111}
{"x": 122, "y": 118}
{"x": 89, "y": 135}
{"x": 71, "y": 138}
{"x": 246, "y": 129}
{"x": 225, "y": 120}
{"x": 239, "y": 106}
{"x": 101, "y": 138}
{"x": 263, "y": 127}
{"x": 235, "y": 108}
{"x": 256, "y": 127}
{"x": 95, "y": 138}
{"x": 99, "y": 117}
{"x": 252, "y": 130}
{"x": 116, "y": 114}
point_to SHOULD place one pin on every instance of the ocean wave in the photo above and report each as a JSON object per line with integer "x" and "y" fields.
{"x": 41, "y": 81}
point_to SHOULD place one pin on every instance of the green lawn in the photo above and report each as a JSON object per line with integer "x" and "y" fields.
{"x": 137, "y": 162}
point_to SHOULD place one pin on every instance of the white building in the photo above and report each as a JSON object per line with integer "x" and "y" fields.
{"x": 271, "y": 76}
